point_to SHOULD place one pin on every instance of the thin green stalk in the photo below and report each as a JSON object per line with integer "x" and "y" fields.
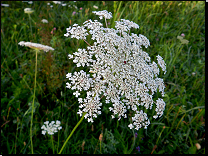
{"x": 115, "y": 12}
{"x": 195, "y": 116}
{"x": 72, "y": 133}
{"x": 30, "y": 23}
{"x": 27, "y": 84}
{"x": 16, "y": 136}
{"x": 52, "y": 143}
{"x": 133, "y": 144}
{"x": 176, "y": 117}
{"x": 33, "y": 102}
{"x": 172, "y": 62}
{"x": 58, "y": 143}
{"x": 172, "y": 124}
{"x": 100, "y": 146}
{"x": 180, "y": 121}
{"x": 160, "y": 135}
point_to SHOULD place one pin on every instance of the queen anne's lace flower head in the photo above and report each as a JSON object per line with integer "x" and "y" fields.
{"x": 51, "y": 128}
{"x": 44, "y": 20}
{"x": 104, "y": 13}
{"x": 118, "y": 70}
{"x": 28, "y": 10}
{"x": 36, "y": 46}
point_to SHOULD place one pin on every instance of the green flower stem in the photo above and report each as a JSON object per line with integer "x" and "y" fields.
{"x": 133, "y": 144}
{"x": 100, "y": 146}
{"x": 160, "y": 135}
{"x": 72, "y": 133}
{"x": 33, "y": 102}
{"x": 52, "y": 143}
{"x": 58, "y": 142}
{"x": 30, "y": 23}
{"x": 16, "y": 135}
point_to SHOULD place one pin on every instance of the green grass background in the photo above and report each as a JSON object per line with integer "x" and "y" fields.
{"x": 176, "y": 132}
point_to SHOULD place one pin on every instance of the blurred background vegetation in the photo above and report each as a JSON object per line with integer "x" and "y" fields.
{"x": 176, "y": 132}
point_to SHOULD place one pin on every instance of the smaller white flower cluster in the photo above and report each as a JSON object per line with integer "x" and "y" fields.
{"x": 82, "y": 58}
{"x": 94, "y": 6}
{"x": 130, "y": 24}
{"x": 44, "y": 20}
{"x": 35, "y": 46}
{"x": 5, "y": 5}
{"x": 125, "y": 25}
{"x": 51, "y": 128}
{"x": 162, "y": 63}
{"x": 93, "y": 25}
{"x": 28, "y": 10}
{"x": 140, "y": 40}
{"x": 139, "y": 120}
{"x": 76, "y": 32}
{"x": 160, "y": 107}
{"x": 57, "y": 2}
{"x": 104, "y": 13}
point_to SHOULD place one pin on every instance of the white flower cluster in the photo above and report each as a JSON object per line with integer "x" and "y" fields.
{"x": 119, "y": 71}
{"x": 28, "y": 10}
{"x": 35, "y": 46}
{"x": 44, "y": 20}
{"x": 140, "y": 119}
{"x": 104, "y": 13}
{"x": 161, "y": 62}
{"x": 56, "y": 2}
{"x": 51, "y": 128}
{"x": 125, "y": 25}
{"x": 76, "y": 32}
